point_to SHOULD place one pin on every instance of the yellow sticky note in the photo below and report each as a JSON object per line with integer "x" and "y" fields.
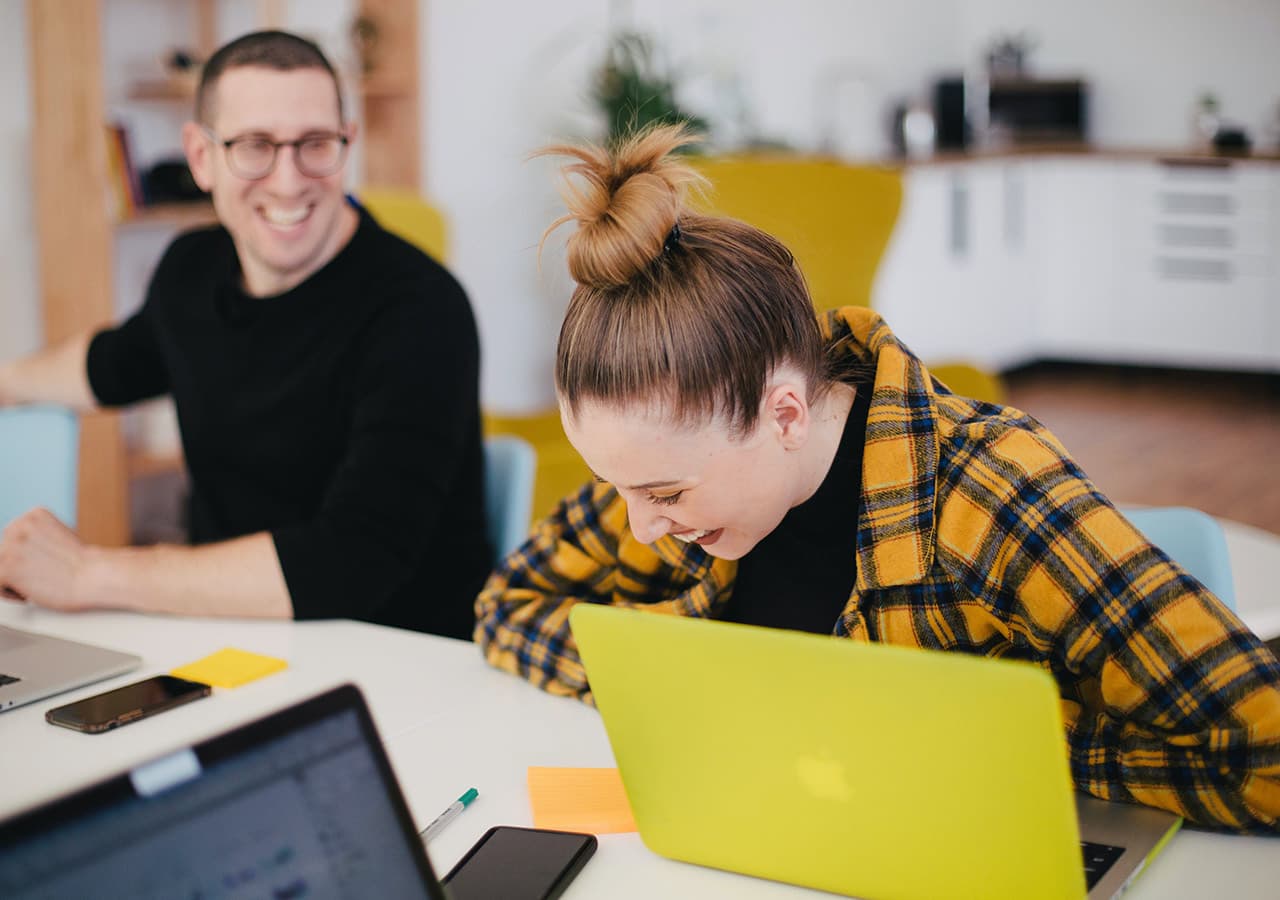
{"x": 590, "y": 800}
{"x": 230, "y": 668}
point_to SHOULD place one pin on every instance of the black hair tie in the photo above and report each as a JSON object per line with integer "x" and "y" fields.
{"x": 673, "y": 238}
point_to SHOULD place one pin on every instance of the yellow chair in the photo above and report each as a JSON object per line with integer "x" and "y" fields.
{"x": 836, "y": 218}
{"x": 407, "y": 215}
{"x": 968, "y": 380}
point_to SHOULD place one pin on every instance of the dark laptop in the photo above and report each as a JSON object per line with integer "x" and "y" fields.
{"x": 302, "y": 803}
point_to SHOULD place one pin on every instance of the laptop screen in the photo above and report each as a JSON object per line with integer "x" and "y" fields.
{"x": 300, "y": 804}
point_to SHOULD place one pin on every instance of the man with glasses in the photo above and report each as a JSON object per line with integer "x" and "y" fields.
{"x": 325, "y": 375}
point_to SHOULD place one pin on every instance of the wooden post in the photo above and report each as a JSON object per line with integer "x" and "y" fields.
{"x": 389, "y": 92}
{"x": 74, "y": 229}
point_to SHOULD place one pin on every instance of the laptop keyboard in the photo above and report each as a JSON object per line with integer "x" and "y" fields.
{"x": 7, "y": 679}
{"x": 1098, "y": 858}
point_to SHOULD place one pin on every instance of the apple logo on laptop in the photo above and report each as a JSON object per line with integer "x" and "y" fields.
{"x": 822, "y": 775}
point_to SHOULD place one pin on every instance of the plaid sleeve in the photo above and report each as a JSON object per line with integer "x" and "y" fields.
{"x": 1169, "y": 700}
{"x": 584, "y": 552}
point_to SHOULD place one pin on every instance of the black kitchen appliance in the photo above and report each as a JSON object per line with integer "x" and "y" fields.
{"x": 1035, "y": 110}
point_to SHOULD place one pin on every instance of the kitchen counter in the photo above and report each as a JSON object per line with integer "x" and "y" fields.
{"x": 1174, "y": 155}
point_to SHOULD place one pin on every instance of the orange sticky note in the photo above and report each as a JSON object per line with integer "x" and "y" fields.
{"x": 230, "y": 668}
{"x": 590, "y": 800}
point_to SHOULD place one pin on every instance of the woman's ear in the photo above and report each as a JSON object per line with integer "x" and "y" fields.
{"x": 787, "y": 414}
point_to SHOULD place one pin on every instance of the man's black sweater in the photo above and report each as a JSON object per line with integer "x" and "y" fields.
{"x": 341, "y": 416}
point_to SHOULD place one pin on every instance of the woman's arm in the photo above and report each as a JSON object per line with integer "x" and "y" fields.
{"x": 1169, "y": 700}
{"x": 585, "y": 553}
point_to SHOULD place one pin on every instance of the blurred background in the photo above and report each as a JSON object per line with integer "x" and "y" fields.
{"x": 1073, "y": 208}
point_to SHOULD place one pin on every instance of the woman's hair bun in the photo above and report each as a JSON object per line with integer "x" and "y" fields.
{"x": 625, "y": 200}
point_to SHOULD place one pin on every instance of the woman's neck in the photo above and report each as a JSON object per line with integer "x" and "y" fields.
{"x": 829, "y": 416}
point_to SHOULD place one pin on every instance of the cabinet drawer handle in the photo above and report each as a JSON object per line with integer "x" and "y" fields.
{"x": 1215, "y": 237}
{"x": 1198, "y": 204}
{"x": 958, "y": 233}
{"x": 1178, "y": 268}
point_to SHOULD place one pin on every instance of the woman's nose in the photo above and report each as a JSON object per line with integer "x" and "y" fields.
{"x": 647, "y": 525}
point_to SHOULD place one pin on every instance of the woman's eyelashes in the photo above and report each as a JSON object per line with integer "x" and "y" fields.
{"x": 667, "y": 500}
{"x": 664, "y": 500}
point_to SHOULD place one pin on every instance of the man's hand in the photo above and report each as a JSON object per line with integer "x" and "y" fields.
{"x": 43, "y": 562}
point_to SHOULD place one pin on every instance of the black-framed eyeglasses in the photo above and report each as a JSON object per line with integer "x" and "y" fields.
{"x": 252, "y": 157}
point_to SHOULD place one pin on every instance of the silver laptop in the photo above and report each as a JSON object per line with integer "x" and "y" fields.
{"x": 34, "y": 666}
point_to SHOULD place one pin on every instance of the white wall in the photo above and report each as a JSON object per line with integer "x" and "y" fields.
{"x": 808, "y": 70}
{"x": 20, "y": 328}
{"x": 795, "y": 62}
{"x": 1148, "y": 60}
{"x": 495, "y": 93}
{"x": 504, "y": 78}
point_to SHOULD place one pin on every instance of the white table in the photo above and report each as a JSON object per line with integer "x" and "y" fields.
{"x": 449, "y": 722}
{"x": 1255, "y": 569}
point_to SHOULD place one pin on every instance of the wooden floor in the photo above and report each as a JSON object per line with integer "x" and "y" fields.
{"x": 1165, "y": 437}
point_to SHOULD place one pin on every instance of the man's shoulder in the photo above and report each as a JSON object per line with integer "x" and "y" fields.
{"x": 205, "y": 239}
{"x": 396, "y": 259}
{"x": 197, "y": 248}
{"x": 405, "y": 288}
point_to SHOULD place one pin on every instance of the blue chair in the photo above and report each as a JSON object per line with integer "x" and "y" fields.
{"x": 39, "y": 452}
{"x": 1194, "y": 540}
{"x": 509, "y": 464}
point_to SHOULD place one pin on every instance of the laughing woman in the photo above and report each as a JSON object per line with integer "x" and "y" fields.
{"x": 757, "y": 464}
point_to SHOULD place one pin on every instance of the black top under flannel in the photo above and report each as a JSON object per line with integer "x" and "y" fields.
{"x": 801, "y": 574}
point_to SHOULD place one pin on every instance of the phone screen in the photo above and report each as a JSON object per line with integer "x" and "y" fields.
{"x": 111, "y": 709}
{"x": 520, "y": 864}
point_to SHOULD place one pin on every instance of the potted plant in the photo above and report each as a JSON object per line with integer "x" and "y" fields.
{"x": 634, "y": 92}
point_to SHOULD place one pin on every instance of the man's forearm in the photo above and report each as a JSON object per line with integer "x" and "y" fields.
{"x": 240, "y": 577}
{"x": 56, "y": 374}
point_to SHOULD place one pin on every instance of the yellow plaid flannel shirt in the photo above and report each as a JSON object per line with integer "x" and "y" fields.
{"x": 979, "y": 534}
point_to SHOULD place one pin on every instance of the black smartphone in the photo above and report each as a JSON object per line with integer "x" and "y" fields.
{"x": 111, "y": 709}
{"x": 510, "y": 863}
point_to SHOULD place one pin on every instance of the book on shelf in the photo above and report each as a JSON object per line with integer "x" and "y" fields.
{"x": 124, "y": 187}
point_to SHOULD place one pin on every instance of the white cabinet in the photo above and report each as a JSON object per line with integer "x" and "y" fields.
{"x": 1088, "y": 257}
{"x": 916, "y": 283}
{"x": 1197, "y": 245}
{"x": 1072, "y": 225}
{"x": 1273, "y": 257}
{"x": 954, "y": 282}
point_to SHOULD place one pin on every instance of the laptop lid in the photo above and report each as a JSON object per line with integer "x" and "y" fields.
{"x": 34, "y": 666}
{"x": 872, "y": 770}
{"x": 302, "y": 803}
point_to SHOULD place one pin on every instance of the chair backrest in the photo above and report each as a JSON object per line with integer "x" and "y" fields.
{"x": 509, "y": 464}
{"x": 835, "y": 217}
{"x": 560, "y": 471}
{"x": 970, "y": 381}
{"x": 1192, "y": 539}
{"x": 405, "y": 214}
{"x": 39, "y": 452}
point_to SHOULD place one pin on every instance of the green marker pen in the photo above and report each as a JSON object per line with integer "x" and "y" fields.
{"x": 457, "y": 806}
